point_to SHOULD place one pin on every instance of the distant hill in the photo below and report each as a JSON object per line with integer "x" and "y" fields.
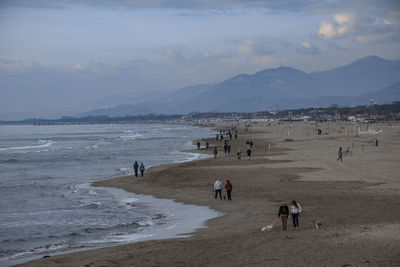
{"x": 283, "y": 87}
{"x": 361, "y": 76}
{"x": 386, "y": 95}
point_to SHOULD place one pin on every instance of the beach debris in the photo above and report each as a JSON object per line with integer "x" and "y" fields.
{"x": 288, "y": 140}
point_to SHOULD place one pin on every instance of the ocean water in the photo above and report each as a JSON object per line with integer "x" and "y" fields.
{"x": 48, "y": 206}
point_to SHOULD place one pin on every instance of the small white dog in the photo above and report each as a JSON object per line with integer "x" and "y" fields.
{"x": 267, "y": 228}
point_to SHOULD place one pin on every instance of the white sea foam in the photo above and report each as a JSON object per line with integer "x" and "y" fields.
{"x": 42, "y": 144}
{"x": 40, "y": 250}
{"x": 130, "y": 137}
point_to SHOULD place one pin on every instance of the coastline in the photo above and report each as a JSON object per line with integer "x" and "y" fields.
{"x": 300, "y": 170}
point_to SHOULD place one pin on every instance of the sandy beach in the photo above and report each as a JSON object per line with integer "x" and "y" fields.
{"x": 356, "y": 201}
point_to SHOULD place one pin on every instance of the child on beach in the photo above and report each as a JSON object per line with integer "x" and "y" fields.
{"x": 283, "y": 214}
{"x": 295, "y": 210}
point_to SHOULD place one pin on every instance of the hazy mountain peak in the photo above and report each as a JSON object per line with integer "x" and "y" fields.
{"x": 287, "y": 87}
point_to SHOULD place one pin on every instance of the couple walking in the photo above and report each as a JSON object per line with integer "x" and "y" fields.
{"x": 136, "y": 168}
{"x": 295, "y": 210}
{"x": 218, "y": 186}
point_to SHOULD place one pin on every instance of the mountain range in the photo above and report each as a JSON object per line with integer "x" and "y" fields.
{"x": 279, "y": 88}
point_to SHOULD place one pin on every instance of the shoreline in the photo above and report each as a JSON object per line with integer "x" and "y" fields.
{"x": 259, "y": 186}
{"x": 143, "y": 200}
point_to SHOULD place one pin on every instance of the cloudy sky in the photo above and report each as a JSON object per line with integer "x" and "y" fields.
{"x": 63, "y": 55}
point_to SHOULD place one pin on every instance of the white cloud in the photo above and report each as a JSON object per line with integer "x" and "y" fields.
{"x": 307, "y": 48}
{"x": 342, "y": 26}
{"x": 344, "y": 18}
{"x": 245, "y": 47}
{"x": 7, "y": 64}
{"x": 326, "y": 30}
{"x": 173, "y": 55}
{"x": 78, "y": 67}
{"x": 306, "y": 45}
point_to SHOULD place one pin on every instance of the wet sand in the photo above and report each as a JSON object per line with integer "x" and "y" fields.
{"x": 357, "y": 202}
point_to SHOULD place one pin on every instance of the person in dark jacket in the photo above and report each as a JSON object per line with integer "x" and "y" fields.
{"x": 248, "y": 153}
{"x": 283, "y": 214}
{"x": 136, "y": 168}
{"x": 228, "y": 188}
{"x": 340, "y": 154}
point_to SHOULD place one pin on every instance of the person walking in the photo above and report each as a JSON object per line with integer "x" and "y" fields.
{"x": 136, "y": 168}
{"x": 218, "y": 189}
{"x": 295, "y": 210}
{"x": 283, "y": 214}
{"x": 228, "y": 188}
{"x": 215, "y": 152}
{"x": 142, "y": 168}
{"x": 248, "y": 153}
{"x": 340, "y": 154}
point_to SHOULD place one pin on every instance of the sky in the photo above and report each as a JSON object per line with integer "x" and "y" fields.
{"x": 57, "y": 57}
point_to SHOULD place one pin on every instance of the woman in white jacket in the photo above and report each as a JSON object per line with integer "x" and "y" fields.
{"x": 295, "y": 210}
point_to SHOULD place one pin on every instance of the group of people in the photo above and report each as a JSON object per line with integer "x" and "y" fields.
{"x": 138, "y": 168}
{"x": 219, "y": 186}
{"x": 222, "y": 133}
{"x": 227, "y": 147}
{"x": 294, "y": 211}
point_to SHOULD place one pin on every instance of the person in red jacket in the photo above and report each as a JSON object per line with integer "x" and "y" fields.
{"x": 228, "y": 188}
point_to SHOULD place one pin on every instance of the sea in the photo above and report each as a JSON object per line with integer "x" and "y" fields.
{"x": 47, "y": 203}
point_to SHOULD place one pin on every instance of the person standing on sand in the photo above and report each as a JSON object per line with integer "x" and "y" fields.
{"x": 136, "y": 168}
{"x": 218, "y": 189}
{"x": 283, "y": 214}
{"x": 142, "y": 168}
{"x": 215, "y": 152}
{"x": 228, "y": 188}
{"x": 340, "y": 154}
{"x": 295, "y": 210}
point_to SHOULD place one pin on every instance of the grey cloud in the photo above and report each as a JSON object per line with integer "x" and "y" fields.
{"x": 318, "y": 6}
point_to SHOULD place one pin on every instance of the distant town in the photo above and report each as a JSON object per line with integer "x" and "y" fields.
{"x": 366, "y": 113}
